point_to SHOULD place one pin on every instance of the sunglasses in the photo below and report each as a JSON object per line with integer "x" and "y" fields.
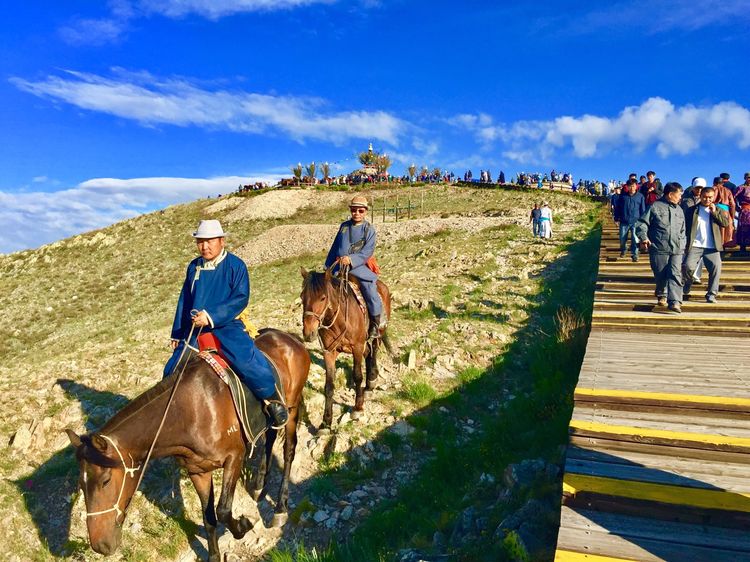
{"x": 357, "y": 209}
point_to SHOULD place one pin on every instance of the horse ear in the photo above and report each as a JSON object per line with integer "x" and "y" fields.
{"x": 329, "y": 275}
{"x": 304, "y": 272}
{"x": 74, "y": 439}
{"x": 99, "y": 443}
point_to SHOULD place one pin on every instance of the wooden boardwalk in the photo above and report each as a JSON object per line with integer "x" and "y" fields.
{"x": 658, "y": 466}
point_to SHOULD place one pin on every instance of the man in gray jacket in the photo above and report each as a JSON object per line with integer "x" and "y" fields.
{"x": 661, "y": 231}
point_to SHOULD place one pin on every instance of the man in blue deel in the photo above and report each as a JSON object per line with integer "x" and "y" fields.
{"x": 216, "y": 290}
{"x": 353, "y": 246}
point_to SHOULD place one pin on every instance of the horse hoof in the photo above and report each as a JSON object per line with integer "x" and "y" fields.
{"x": 279, "y": 519}
{"x": 243, "y": 526}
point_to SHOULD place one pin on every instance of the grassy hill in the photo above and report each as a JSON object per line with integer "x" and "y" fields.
{"x": 493, "y": 320}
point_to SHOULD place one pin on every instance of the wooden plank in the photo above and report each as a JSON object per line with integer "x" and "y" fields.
{"x": 612, "y": 547}
{"x": 676, "y": 422}
{"x": 636, "y": 528}
{"x": 688, "y": 478}
{"x": 719, "y": 473}
{"x": 569, "y": 556}
{"x": 662, "y": 493}
{"x": 660, "y": 436}
{"x": 604, "y": 443}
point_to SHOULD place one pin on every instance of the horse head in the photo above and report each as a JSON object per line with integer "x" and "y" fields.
{"x": 107, "y": 490}
{"x": 316, "y": 301}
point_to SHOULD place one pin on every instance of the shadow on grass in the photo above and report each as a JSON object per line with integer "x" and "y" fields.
{"x": 49, "y": 490}
{"x": 517, "y": 409}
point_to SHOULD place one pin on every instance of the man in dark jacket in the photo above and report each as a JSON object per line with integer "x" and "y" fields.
{"x": 628, "y": 209}
{"x": 662, "y": 232}
{"x": 703, "y": 225}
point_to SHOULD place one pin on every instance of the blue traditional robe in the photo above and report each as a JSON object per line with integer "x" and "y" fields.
{"x": 221, "y": 287}
{"x": 348, "y": 235}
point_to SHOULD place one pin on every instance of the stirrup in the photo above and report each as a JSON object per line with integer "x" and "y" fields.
{"x": 272, "y": 409}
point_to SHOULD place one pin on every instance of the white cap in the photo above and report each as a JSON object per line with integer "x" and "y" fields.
{"x": 699, "y": 182}
{"x": 209, "y": 229}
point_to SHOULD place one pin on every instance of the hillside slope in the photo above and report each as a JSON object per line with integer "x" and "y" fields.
{"x": 87, "y": 329}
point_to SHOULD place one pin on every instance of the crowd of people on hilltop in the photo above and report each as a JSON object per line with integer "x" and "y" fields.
{"x": 683, "y": 231}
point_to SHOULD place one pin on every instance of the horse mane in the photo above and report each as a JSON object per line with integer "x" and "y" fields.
{"x": 315, "y": 283}
{"x": 141, "y": 401}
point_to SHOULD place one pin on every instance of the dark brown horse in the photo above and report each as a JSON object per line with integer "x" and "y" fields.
{"x": 332, "y": 312}
{"x": 201, "y": 431}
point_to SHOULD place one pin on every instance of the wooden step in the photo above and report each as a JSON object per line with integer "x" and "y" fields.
{"x": 651, "y": 401}
{"x": 596, "y": 536}
{"x": 633, "y": 434}
{"x": 646, "y": 295}
{"x": 695, "y": 303}
{"x": 648, "y": 286}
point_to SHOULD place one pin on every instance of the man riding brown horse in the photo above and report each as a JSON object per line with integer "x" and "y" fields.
{"x": 354, "y": 247}
{"x": 215, "y": 292}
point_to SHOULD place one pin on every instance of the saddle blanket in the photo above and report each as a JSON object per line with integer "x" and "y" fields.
{"x": 250, "y": 410}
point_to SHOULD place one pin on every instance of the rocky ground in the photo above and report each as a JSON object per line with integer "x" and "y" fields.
{"x": 462, "y": 282}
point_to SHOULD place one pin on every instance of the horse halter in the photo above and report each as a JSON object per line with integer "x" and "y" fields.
{"x": 128, "y": 472}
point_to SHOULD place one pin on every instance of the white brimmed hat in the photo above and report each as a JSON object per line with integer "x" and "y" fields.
{"x": 209, "y": 229}
{"x": 699, "y": 182}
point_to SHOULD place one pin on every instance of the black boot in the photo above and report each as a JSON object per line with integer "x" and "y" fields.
{"x": 374, "y": 330}
{"x": 277, "y": 410}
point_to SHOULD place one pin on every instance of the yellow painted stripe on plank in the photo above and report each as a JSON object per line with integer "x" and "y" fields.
{"x": 691, "y": 398}
{"x": 664, "y": 493}
{"x": 666, "y": 314}
{"x": 570, "y": 556}
{"x": 706, "y": 438}
{"x": 693, "y": 328}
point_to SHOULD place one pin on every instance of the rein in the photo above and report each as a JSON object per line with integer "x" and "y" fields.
{"x": 321, "y": 317}
{"x": 131, "y": 471}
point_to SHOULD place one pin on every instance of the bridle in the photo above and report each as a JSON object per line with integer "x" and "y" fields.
{"x": 321, "y": 317}
{"x": 129, "y": 471}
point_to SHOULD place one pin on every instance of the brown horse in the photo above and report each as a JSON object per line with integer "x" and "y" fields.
{"x": 201, "y": 430}
{"x": 332, "y": 312}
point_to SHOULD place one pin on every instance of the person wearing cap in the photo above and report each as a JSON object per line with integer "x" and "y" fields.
{"x": 215, "y": 292}
{"x": 353, "y": 246}
{"x": 724, "y": 200}
{"x": 742, "y": 202}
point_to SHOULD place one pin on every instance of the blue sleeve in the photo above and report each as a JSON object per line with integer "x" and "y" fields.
{"x": 178, "y": 330}
{"x": 367, "y": 250}
{"x": 331, "y": 258}
{"x": 238, "y": 298}
{"x": 641, "y": 206}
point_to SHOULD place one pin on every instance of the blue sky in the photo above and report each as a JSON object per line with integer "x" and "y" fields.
{"x": 110, "y": 109}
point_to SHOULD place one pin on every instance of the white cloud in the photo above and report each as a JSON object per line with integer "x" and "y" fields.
{"x": 655, "y": 17}
{"x": 214, "y": 9}
{"x": 93, "y": 31}
{"x": 31, "y": 219}
{"x": 176, "y": 101}
{"x": 655, "y": 124}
